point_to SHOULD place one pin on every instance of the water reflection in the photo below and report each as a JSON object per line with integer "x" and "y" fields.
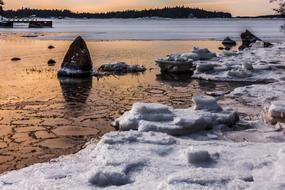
{"x": 181, "y": 79}
{"x": 75, "y": 92}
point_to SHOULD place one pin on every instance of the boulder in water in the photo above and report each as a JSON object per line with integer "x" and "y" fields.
{"x": 77, "y": 61}
{"x": 228, "y": 42}
{"x": 248, "y": 39}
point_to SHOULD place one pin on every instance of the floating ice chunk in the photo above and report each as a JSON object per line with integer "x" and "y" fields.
{"x": 203, "y": 53}
{"x": 146, "y": 117}
{"x": 206, "y": 103}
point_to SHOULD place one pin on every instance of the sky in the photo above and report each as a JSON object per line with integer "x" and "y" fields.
{"x": 236, "y": 7}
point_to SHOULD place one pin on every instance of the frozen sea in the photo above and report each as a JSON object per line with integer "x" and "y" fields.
{"x": 162, "y": 29}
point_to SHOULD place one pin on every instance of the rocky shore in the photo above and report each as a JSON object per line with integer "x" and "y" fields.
{"x": 205, "y": 145}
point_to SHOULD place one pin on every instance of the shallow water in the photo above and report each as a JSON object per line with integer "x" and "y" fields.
{"x": 42, "y": 117}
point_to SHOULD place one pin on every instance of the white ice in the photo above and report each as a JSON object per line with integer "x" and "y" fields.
{"x": 206, "y": 114}
{"x": 151, "y": 160}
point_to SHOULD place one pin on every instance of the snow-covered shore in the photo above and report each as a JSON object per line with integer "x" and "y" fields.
{"x": 151, "y": 160}
{"x": 146, "y": 154}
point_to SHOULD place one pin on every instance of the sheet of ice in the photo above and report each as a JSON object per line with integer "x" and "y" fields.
{"x": 260, "y": 95}
{"x": 206, "y": 114}
{"x": 161, "y": 29}
{"x": 257, "y": 64}
{"x": 150, "y": 160}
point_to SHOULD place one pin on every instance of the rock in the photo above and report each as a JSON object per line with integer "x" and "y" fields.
{"x": 15, "y": 59}
{"x": 203, "y": 53}
{"x": 77, "y": 61}
{"x": 247, "y": 66}
{"x": 51, "y": 62}
{"x": 206, "y": 103}
{"x": 276, "y": 112}
{"x": 228, "y": 42}
{"x": 199, "y": 157}
{"x": 121, "y": 67}
{"x": 248, "y": 39}
{"x": 205, "y": 67}
{"x": 50, "y": 47}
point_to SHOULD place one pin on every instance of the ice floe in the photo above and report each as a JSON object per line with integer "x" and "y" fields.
{"x": 182, "y": 63}
{"x": 257, "y": 64}
{"x": 151, "y": 160}
{"x": 206, "y": 114}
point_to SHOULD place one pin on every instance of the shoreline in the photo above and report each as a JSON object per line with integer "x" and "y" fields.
{"x": 142, "y": 93}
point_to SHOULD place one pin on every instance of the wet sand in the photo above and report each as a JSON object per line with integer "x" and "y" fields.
{"x": 42, "y": 117}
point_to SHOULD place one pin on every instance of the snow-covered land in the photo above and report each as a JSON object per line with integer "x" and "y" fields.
{"x": 151, "y": 160}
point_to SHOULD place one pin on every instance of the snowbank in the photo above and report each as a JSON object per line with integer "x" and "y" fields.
{"x": 206, "y": 114}
{"x": 150, "y": 160}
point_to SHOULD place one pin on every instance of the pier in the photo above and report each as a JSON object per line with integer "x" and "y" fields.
{"x": 31, "y": 23}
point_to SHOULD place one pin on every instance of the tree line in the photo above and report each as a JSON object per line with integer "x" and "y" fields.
{"x": 167, "y": 12}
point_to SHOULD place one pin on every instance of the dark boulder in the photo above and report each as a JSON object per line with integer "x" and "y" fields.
{"x": 77, "y": 61}
{"x": 248, "y": 39}
{"x": 229, "y": 42}
{"x": 50, "y": 47}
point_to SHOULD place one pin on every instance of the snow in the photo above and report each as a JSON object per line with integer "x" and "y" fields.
{"x": 151, "y": 160}
{"x": 206, "y": 114}
{"x": 260, "y": 95}
{"x": 160, "y": 29}
{"x": 256, "y": 64}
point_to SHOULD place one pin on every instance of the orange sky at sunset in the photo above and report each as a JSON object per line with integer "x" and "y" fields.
{"x": 236, "y": 7}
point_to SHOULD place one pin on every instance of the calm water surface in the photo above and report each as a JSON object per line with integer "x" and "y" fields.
{"x": 42, "y": 117}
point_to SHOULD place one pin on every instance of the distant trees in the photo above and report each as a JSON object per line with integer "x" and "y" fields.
{"x": 167, "y": 12}
{"x": 1, "y": 6}
{"x": 281, "y": 6}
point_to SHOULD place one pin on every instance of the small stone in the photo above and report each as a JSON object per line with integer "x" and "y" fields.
{"x": 15, "y": 59}
{"x": 247, "y": 66}
{"x": 229, "y": 42}
{"x": 51, "y": 62}
{"x": 50, "y": 47}
{"x": 207, "y": 103}
{"x": 199, "y": 157}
